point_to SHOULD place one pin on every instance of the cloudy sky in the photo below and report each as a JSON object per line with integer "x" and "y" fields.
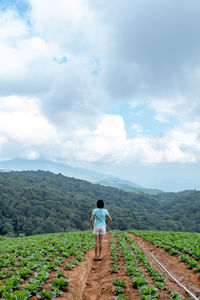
{"x": 113, "y": 86}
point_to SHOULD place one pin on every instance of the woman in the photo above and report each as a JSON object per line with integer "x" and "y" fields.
{"x": 99, "y": 227}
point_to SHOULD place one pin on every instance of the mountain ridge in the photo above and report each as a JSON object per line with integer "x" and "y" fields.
{"x": 79, "y": 173}
{"x": 50, "y": 202}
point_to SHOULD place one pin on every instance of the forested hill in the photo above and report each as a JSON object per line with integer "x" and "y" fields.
{"x": 34, "y": 202}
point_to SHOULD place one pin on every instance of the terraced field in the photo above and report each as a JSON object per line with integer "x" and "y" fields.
{"x": 135, "y": 265}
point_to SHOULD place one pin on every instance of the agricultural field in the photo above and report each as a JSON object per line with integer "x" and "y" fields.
{"x": 136, "y": 265}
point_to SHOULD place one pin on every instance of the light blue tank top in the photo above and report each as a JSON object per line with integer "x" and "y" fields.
{"x": 100, "y": 214}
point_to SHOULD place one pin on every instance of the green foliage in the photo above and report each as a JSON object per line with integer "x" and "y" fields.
{"x": 121, "y": 297}
{"x": 32, "y": 287}
{"x": 139, "y": 281}
{"x": 33, "y": 258}
{"x": 118, "y": 282}
{"x": 60, "y": 274}
{"x": 114, "y": 268}
{"x": 5, "y": 289}
{"x": 72, "y": 264}
{"x": 60, "y": 283}
{"x": 114, "y": 255}
{"x": 45, "y": 294}
{"x": 51, "y": 203}
{"x": 17, "y": 295}
{"x": 42, "y": 276}
{"x": 148, "y": 290}
{"x": 176, "y": 296}
{"x": 24, "y": 272}
{"x": 119, "y": 290}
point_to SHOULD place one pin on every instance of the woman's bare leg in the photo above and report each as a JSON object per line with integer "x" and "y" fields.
{"x": 101, "y": 236}
{"x": 96, "y": 245}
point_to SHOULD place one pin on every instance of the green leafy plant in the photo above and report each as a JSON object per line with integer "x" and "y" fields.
{"x": 119, "y": 290}
{"x": 60, "y": 283}
{"x": 42, "y": 275}
{"x": 24, "y": 272}
{"x": 139, "y": 281}
{"x": 148, "y": 290}
{"x": 17, "y": 295}
{"x": 176, "y": 296}
{"x": 121, "y": 297}
{"x": 5, "y": 289}
{"x": 160, "y": 285}
{"x": 14, "y": 281}
{"x": 114, "y": 268}
{"x": 32, "y": 287}
{"x": 60, "y": 274}
{"x": 45, "y": 294}
{"x": 118, "y": 282}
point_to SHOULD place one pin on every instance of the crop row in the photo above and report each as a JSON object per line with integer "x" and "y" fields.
{"x": 133, "y": 256}
{"x": 120, "y": 285}
{"x": 176, "y": 243}
{"x": 27, "y": 262}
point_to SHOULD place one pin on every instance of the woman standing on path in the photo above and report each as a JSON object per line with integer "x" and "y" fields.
{"x": 99, "y": 227}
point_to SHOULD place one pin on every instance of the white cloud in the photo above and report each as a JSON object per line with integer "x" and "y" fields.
{"x": 180, "y": 144}
{"x": 56, "y": 110}
{"x": 72, "y": 24}
{"x": 23, "y": 126}
{"x": 11, "y": 26}
{"x": 32, "y": 155}
{"x": 106, "y": 142}
{"x": 21, "y": 121}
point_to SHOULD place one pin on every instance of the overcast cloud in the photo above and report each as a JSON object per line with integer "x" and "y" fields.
{"x": 65, "y": 65}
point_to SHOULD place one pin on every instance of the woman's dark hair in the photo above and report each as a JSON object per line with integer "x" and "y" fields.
{"x": 100, "y": 204}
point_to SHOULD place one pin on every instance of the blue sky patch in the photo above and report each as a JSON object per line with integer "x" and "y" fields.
{"x": 22, "y": 6}
{"x": 141, "y": 115}
{"x": 60, "y": 60}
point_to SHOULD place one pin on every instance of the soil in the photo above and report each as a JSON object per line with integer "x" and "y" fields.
{"x": 92, "y": 280}
{"x": 175, "y": 267}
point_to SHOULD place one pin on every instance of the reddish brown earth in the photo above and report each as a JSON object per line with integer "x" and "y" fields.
{"x": 175, "y": 267}
{"x": 92, "y": 280}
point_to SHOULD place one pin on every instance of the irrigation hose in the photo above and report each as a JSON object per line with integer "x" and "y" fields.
{"x": 180, "y": 284}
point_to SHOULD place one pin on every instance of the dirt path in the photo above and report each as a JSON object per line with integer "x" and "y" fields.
{"x": 92, "y": 280}
{"x": 99, "y": 284}
{"x": 177, "y": 268}
{"x": 78, "y": 277}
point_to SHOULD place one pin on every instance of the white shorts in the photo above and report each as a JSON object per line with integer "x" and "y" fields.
{"x": 99, "y": 230}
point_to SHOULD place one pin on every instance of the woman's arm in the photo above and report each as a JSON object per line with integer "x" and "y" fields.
{"x": 92, "y": 221}
{"x": 109, "y": 222}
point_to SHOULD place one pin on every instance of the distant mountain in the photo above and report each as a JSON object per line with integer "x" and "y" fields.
{"x": 80, "y": 173}
{"x": 128, "y": 186}
{"x": 55, "y": 167}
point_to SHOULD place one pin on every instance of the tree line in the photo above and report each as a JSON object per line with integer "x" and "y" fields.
{"x": 35, "y": 202}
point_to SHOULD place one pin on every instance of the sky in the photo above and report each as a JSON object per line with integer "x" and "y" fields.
{"x": 111, "y": 86}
